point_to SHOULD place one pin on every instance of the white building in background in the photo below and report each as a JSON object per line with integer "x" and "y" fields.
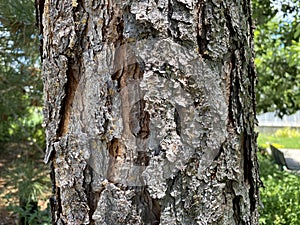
{"x": 268, "y": 122}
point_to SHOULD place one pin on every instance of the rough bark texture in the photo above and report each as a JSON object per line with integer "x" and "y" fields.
{"x": 150, "y": 111}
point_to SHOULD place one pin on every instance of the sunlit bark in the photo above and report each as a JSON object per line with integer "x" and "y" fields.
{"x": 150, "y": 111}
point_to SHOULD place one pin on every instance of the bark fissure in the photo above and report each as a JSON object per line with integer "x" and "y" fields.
{"x": 139, "y": 120}
{"x": 70, "y": 89}
{"x": 202, "y": 29}
{"x": 237, "y": 200}
{"x": 55, "y": 201}
{"x": 177, "y": 121}
{"x": 74, "y": 64}
{"x": 39, "y": 10}
{"x": 239, "y": 100}
{"x": 150, "y": 207}
{"x": 136, "y": 123}
{"x": 92, "y": 196}
{"x": 249, "y": 169}
{"x": 235, "y": 106}
{"x": 230, "y": 75}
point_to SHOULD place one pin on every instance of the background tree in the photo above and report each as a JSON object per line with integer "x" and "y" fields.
{"x": 149, "y": 112}
{"x": 22, "y": 139}
{"x": 277, "y": 60}
{"x": 20, "y": 81}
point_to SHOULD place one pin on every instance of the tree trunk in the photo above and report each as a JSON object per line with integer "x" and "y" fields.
{"x": 150, "y": 111}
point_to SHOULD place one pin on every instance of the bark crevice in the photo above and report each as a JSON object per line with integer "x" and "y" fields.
{"x": 73, "y": 73}
{"x": 202, "y": 29}
{"x": 151, "y": 209}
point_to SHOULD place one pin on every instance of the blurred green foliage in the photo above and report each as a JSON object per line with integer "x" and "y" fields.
{"x": 21, "y": 134}
{"x": 20, "y": 79}
{"x": 31, "y": 181}
{"x": 280, "y": 196}
{"x": 277, "y": 60}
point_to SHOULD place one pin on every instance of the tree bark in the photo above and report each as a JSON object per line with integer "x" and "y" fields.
{"x": 150, "y": 111}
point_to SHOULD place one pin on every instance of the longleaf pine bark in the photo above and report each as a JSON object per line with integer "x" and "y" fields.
{"x": 150, "y": 111}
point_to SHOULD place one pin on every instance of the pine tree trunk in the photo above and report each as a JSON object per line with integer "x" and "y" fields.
{"x": 150, "y": 111}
